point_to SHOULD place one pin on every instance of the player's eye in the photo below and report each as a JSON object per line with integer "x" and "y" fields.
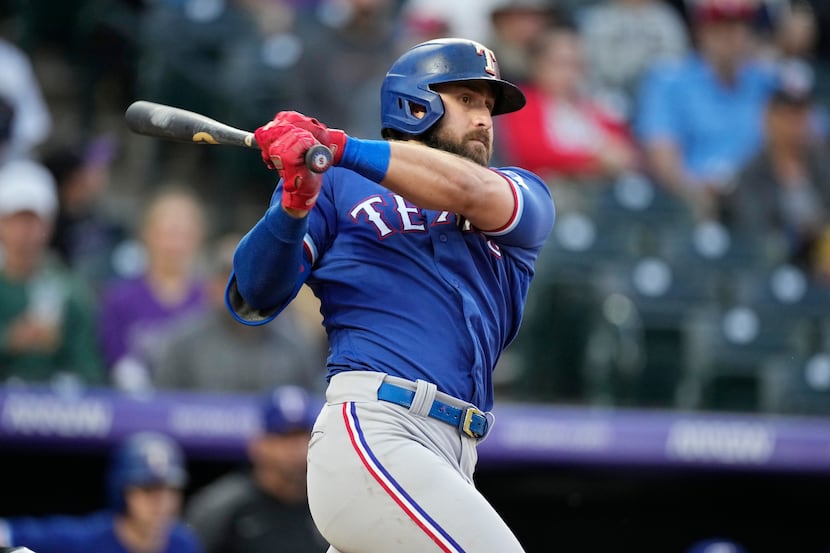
{"x": 466, "y": 99}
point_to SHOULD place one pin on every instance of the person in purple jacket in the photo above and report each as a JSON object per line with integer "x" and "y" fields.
{"x": 421, "y": 255}
{"x": 145, "y": 483}
{"x": 137, "y": 312}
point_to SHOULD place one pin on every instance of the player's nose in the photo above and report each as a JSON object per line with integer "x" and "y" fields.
{"x": 482, "y": 118}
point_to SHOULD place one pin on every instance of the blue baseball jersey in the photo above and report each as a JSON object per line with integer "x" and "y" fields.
{"x": 94, "y": 533}
{"x": 411, "y": 292}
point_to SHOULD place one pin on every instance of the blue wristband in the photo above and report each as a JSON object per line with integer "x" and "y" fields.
{"x": 369, "y": 158}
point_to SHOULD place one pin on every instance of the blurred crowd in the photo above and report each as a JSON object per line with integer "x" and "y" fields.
{"x": 685, "y": 144}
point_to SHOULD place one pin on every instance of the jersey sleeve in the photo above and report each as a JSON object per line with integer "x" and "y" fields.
{"x": 268, "y": 266}
{"x": 534, "y": 211}
{"x": 274, "y": 259}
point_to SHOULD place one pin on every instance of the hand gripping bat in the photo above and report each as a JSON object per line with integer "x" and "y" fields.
{"x": 181, "y": 125}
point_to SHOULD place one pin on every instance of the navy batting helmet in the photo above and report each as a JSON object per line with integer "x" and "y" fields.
{"x": 445, "y": 60}
{"x": 145, "y": 459}
{"x": 288, "y": 409}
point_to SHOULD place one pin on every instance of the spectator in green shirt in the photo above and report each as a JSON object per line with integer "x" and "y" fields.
{"x": 46, "y": 313}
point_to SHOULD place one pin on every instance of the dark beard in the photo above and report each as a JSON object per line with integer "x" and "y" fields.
{"x": 432, "y": 139}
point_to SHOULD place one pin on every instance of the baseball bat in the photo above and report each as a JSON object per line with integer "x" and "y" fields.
{"x": 181, "y": 125}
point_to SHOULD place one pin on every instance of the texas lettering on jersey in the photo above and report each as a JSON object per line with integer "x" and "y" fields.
{"x": 409, "y": 218}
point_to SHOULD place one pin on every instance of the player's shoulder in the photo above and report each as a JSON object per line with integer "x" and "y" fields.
{"x": 523, "y": 178}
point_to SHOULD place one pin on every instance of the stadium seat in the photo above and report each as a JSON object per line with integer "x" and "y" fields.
{"x": 797, "y": 385}
{"x": 729, "y": 348}
{"x": 663, "y": 297}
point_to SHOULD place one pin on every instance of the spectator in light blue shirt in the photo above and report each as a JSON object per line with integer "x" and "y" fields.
{"x": 700, "y": 118}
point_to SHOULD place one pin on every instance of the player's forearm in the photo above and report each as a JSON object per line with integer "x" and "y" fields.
{"x": 434, "y": 179}
{"x": 268, "y": 261}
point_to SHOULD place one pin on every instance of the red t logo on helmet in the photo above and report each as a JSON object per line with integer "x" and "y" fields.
{"x": 489, "y": 59}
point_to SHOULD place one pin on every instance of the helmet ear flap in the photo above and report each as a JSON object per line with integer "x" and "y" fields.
{"x": 407, "y": 109}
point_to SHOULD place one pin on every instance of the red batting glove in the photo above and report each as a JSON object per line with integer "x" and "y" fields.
{"x": 265, "y": 136}
{"x": 287, "y": 154}
{"x": 335, "y": 139}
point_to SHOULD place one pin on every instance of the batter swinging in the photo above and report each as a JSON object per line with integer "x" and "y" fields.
{"x": 421, "y": 256}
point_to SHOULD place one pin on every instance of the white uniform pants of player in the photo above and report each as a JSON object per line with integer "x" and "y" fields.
{"x": 386, "y": 479}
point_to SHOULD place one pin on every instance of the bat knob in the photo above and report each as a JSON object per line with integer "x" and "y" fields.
{"x": 319, "y": 158}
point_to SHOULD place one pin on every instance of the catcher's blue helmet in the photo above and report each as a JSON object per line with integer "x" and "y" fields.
{"x": 288, "y": 409}
{"x": 145, "y": 459}
{"x": 445, "y": 60}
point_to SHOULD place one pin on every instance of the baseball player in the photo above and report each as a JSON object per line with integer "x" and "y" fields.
{"x": 421, "y": 256}
{"x": 145, "y": 484}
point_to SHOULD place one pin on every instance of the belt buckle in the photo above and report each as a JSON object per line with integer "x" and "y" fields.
{"x": 467, "y": 421}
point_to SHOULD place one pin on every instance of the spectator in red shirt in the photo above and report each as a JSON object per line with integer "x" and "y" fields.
{"x": 562, "y": 132}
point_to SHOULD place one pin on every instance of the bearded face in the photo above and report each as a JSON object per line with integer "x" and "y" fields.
{"x": 475, "y": 145}
{"x": 466, "y": 127}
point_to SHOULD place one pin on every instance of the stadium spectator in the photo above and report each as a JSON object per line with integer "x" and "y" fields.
{"x": 623, "y": 38}
{"x": 821, "y": 259}
{"x": 213, "y": 352}
{"x": 6, "y": 124}
{"x": 264, "y": 509}
{"x": 264, "y": 61}
{"x": 562, "y": 133}
{"x": 187, "y": 51}
{"x": 31, "y": 124}
{"x": 821, "y": 14}
{"x": 796, "y": 37}
{"x": 699, "y": 119}
{"x": 515, "y": 25}
{"x": 46, "y": 313}
{"x": 463, "y": 19}
{"x": 796, "y": 31}
{"x": 783, "y": 190}
{"x": 85, "y": 236}
{"x": 105, "y": 56}
{"x": 419, "y": 25}
{"x": 348, "y": 49}
{"x": 145, "y": 484}
{"x": 138, "y": 311}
